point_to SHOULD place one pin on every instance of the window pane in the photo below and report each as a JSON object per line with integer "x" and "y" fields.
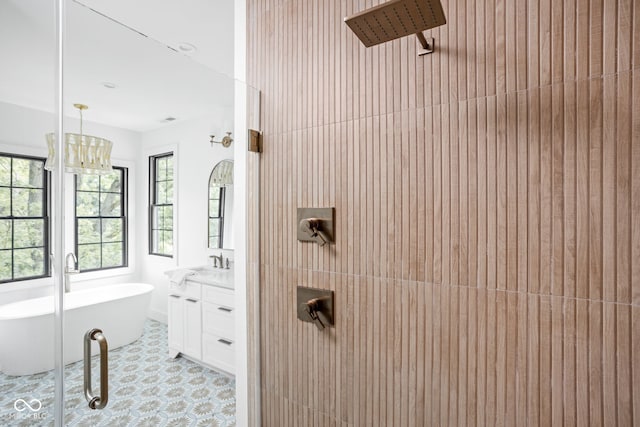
{"x": 27, "y": 202}
{"x": 214, "y": 208}
{"x": 27, "y": 173}
{"x": 5, "y": 171}
{"x": 169, "y": 167}
{"x": 168, "y": 217}
{"x": 111, "y": 255}
{"x": 87, "y": 204}
{"x": 161, "y": 193}
{"x": 5, "y": 265}
{"x": 88, "y": 231}
{"x": 5, "y": 201}
{"x": 28, "y": 262}
{"x": 169, "y": 191}
{"x": 5, "y": 234}
{"x": 214, "y": 228}
{"x": 110, "y": 204}
{"x": 155, "y": 219}
{"x": 214, "y": 191}
{"x": 167, "y": 241}
{"x": 162, "y": 217}
{"x": 214, "y": 242}
{"x": 155, "y": 241}
{"x": 28, "y": 233}
{"x": 88, "y": 182}
{"x": 161, "y": 169}
{"x": 89, "y": 257}
{"x": 112, "y": 230}
{"x": 111, "y": 182}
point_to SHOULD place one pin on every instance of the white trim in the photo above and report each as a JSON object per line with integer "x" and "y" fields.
{"x": 243, "y": 394}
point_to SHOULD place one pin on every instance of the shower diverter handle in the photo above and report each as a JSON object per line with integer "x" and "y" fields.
{"x": 313, "y": 228}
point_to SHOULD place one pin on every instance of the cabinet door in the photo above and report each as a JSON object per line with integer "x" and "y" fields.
{"x": 192, "y": 328}
{"x": 176, "y": 324}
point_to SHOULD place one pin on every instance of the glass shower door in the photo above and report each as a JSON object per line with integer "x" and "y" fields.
{"x": 27, "y": 113}
{"x": 140, "y": 93}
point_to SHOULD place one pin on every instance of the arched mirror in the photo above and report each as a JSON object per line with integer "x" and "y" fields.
{"x": 221, "y": 206}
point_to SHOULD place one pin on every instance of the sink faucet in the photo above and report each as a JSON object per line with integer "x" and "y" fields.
{"x": 217, "y": 259}
{"x": 68, "y": 271}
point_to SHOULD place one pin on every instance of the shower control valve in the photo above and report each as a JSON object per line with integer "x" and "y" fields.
{"x": 313, "y": 309}
{"x": 315, "y": 306}
{"x": 316, "y": 225}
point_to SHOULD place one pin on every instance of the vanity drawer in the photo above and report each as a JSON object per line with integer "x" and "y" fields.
{"x": 219, "y": 352}
{"x": 218, "y": 319}
{"x": 188, "y": 289}
{"x": 220, "y": 296}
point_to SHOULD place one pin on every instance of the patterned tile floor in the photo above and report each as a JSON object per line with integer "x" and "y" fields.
{"x": 147, "y": 388}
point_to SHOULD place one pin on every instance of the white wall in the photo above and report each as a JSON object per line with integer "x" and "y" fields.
{"x": 194, "y": 159}
{"x": 22, "y": 132}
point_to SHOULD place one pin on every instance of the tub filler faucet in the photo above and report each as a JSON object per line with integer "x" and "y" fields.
{"x": 70, "y": 270}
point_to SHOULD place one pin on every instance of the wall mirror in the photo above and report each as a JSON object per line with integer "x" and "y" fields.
{"x": 221, "y": 206}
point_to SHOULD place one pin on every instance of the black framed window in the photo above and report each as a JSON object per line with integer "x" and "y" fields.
{"x": 216, "y": 215}
{"x": 24, "y": 218}
{"x": 161, "y": 205}
{"x": 101, "y": 220}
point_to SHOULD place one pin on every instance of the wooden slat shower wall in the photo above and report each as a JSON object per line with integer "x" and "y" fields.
{"x": 487, "y": 263}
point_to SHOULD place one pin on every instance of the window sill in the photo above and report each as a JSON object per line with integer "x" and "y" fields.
{"x": 26, "y": 285}
{"x": 101, "y": 274}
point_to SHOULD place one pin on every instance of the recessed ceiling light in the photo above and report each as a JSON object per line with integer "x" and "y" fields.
{"x": 109, "y": 85}
{"x": 186, "y": 47}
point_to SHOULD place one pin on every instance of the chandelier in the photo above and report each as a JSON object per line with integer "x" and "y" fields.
{"x": 83, "y": 154}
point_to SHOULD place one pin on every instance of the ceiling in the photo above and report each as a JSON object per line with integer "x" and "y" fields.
{"x": 134, "y": 45}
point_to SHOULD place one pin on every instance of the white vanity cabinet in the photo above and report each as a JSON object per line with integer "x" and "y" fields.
{"x": 218, "y": 328}
{"x": 185, "y": 320}
{"x": 202, "y": 324}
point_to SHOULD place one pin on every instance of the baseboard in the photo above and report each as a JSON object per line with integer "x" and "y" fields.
{"x": 158, "y": 316}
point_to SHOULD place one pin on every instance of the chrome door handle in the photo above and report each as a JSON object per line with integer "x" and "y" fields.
{"x": 96, "y": 402}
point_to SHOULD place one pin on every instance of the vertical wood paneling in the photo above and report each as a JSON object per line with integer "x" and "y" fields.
{"x": 534, "y": 357}
{"x": 596, "y": 414}
{"x": 635, "y": 191}
{"x": 487, "y": 259}
{"x": 582, "y": 362}
{"x": 623, "y": 188}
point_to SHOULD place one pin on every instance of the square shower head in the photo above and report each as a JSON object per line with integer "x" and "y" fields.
{"x": 395, "y": 19}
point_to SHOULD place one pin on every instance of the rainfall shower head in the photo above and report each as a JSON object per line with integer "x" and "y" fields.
{"x": 395, "y": 19}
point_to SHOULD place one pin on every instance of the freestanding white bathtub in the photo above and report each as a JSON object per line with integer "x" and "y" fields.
{"x": 27, "y": 327}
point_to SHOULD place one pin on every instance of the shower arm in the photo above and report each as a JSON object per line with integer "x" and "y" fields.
{"x": 427, "y": 44}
